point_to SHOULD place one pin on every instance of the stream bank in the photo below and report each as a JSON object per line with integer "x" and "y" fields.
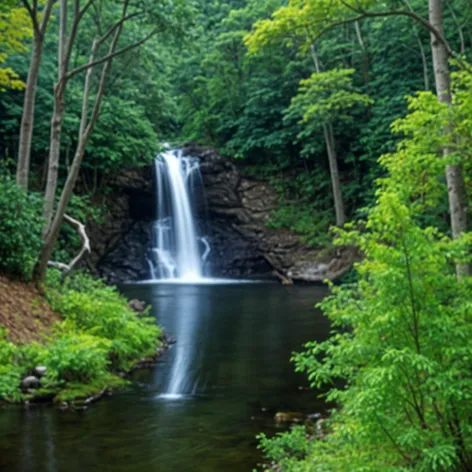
{"x": 76, "y": 341}
{"x": 238, "y": 356}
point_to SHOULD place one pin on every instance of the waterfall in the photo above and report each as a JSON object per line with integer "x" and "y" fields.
{"x": 179, "y": 251}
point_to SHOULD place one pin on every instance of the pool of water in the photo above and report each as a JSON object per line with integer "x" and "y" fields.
{"x": 201, "y": 407}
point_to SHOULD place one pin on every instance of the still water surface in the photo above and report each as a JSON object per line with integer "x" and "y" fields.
{"x": 233, "y": 349}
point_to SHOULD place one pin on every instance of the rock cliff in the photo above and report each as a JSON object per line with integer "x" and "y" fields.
{"x": 238, "y": 208}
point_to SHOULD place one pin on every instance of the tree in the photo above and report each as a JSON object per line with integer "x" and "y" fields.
{"x": 39, "y": 23}
{"x": 89, "y": 115}
{"x": 397, "y": 363}
{"x": 14, "y": 29}
{"x": 318, "y": 17}
{"x": 323, "y": 99}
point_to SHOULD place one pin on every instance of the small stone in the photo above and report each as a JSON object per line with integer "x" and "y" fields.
{"x": 137, "y": 305}
{"x": 40, "y": 371}
{"x": 289, "y": 417}
{"x": 30, "y": 382}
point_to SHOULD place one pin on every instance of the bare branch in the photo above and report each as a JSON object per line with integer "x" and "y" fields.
{"x": 67, "y": 268}
{"x": 46, "y": 16}
{"x": 410, "y": 14}
{"x": 79, "y": 69}
{"x": 33, "y": 15}
{"x": 112, "y": 29}
{"x": 83, "y": 119}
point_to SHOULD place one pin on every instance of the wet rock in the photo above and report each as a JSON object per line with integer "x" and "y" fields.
{"x": 289, "y": 417}
{"x": 235, "y": 218}
{"x": 40, "y": 371}
{"x": 137, "y": 305}
{"x": 30, "y": 382}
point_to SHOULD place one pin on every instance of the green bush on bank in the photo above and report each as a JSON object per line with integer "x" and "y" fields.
{"x": 98, "y": 337}
{"x": 91, "y": 307}
{"x": 401, "y": 341}
{"x": 20, "y": 228}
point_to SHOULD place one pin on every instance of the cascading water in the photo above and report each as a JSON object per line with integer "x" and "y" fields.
{"x": 179, "y": 252}
{"x": 178, "y": 255}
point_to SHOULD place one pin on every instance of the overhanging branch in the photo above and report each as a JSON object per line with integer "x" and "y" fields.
{"x": 106, "y": 58}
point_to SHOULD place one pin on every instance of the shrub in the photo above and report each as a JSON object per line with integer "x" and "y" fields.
{"x": 287, "y": 449}
{"x": 10, "y": 371}
{"x": 20, "y": 228}
{"x": 401, "y": 340}
{"x": 75, "y": 358}
{"x": 99, "y": 310}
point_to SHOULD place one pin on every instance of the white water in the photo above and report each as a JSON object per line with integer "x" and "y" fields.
{"x": 179, "y": 252}
{"x": 178, "y": 256}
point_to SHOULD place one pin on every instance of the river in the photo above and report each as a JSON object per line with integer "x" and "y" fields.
{"x": 231, "y": 362}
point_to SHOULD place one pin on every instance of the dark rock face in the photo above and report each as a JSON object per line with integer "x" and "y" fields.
{"x": 238, "y": 208}
{"x": 120, "y": 244}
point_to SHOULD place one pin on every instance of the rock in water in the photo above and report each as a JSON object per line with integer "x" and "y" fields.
{"x": 30, "y": 382}
{"x": 137, "y": 305}
{"x": 289, "y": 417}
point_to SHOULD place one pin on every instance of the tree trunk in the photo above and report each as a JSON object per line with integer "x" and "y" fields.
{"x": 454, "y": 177}
{"x": 27, "y": 119}
{"x": 332, "y": 159}
{"x": 57, "y": 119}
{"x": 54, "y": 153}
{"x": 333, "y": 169}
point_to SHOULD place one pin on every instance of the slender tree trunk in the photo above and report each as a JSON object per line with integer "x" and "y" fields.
{"x": 424, "y": 61}
{"x": 27, "y": 119}
{"x": 334, "y": 171}
{"x": 54, "y": 154}
{"x": 454, "y": 177}
{"x": 332, "y": 159}
{"x": 56, "y": 121}
{"x": 365, "y": 59}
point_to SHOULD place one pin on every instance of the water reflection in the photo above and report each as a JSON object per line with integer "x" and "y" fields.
{"x": 232, "y": 352}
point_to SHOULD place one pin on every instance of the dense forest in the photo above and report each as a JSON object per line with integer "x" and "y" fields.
{"x": 358, "y": 113}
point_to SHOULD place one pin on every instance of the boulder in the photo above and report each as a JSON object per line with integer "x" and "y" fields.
{"x": 30, "y": 382}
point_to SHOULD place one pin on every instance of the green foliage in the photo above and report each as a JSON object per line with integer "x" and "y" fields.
{"x": 327, "y": 97}
{"x": 20, "y": 228}
{"x": 15, "y": 27}
{"x": 91, "y": 307}
{"x": 286, "y": 450}
{"x": 99, "y": 336}
{"x": 402, "y": 328}
{"x": 74, "y": 391}
{"x": 73, "y": 357}
{"x": 10, "y": 372}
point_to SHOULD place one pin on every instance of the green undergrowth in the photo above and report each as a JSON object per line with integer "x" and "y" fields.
{"x": 98, "y": 337}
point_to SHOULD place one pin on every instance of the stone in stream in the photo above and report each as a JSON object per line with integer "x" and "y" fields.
{"x": 40, "y": 371}
{"x": 137, "y": 305}
{"x": 30, "y": 382}
{"x": 289, "y": 417}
